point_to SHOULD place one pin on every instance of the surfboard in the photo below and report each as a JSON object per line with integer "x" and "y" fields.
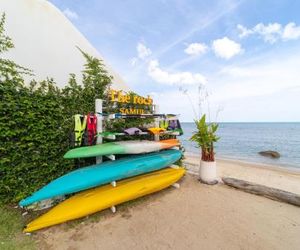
{"x": 121, "y": 147}
{"x": 100, "y": 174}
{"x": 94, "y": 200}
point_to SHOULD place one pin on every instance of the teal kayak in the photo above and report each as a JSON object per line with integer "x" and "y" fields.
{"x": 99, "y": 174}
{"x": 121, "y": 147}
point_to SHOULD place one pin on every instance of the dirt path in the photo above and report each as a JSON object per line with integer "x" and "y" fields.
{"x": 195, "y": 216}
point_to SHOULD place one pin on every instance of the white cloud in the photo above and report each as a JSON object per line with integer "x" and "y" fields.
{"x": 271, "y": 32}
{"x": 143, "y": 51}
{"x": 133, "y": 61}
{"x": 179, "y": 78}
{"x": 265, "y": 88}
{"x": 262, "y": 89}
{"x": 142, "y": 54}
{"x": 196, "y": 49}
{"x": 174, "y": 101}
{"x": 226, "y": 48}
{"x": 244, "y": 32}
{"x": 203, "y": 21}
{"x": 259, "y": 78}
{"x": 70, "y": 14}
{"x": 291, "y": 31}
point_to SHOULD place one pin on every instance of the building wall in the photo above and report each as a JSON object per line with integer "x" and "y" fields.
{"x": 45, "y": 41}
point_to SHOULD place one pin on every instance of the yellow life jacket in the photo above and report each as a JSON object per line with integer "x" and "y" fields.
{"x": 79, "y": 129}
{"x": 156, "y": 131}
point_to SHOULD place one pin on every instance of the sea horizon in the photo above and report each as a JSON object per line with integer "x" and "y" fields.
{"x": 244, "y": 140}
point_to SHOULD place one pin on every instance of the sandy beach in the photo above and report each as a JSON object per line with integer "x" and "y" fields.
{"x": 287, "y": 179}
{"x": 196, "y": 216}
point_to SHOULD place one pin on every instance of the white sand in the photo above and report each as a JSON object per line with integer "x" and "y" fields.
{"x": 196, "y": 216}
{"x": 272, "y": 176}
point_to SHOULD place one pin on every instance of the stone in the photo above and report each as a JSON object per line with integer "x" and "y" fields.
{"x": 270, "y": 153}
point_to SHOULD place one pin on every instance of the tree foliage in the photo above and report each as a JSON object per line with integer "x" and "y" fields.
{"x": 5, "y": 41}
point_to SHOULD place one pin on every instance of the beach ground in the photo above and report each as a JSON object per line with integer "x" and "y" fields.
{"x": 196, "y": 216}
{"x": 287, "y": 179}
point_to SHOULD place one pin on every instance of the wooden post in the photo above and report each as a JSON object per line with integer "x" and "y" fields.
{"x": 176, "y": 185}
{"x": 111, "y": 157}
{"x": 156, "y": 122}
{"x": 113, "y": 209}
{"x": 98, "y": 109}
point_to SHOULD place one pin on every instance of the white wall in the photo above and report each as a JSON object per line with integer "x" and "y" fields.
{"x": 45, "y": 41}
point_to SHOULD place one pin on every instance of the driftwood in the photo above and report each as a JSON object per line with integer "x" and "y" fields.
{"x": 271, "y": 193}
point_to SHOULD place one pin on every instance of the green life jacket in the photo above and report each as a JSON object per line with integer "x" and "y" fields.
{"x": 80, "y": 126}
{"x": 164, "y": 124}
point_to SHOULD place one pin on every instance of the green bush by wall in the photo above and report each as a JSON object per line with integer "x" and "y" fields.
{"x": 35, "y": 123}
{"x": 36, "y": 120}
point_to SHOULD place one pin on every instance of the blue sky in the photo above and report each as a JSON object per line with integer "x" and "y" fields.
{"x": 244, "y": 55}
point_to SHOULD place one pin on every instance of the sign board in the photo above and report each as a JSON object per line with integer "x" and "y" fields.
{"x": 134, "y": 104}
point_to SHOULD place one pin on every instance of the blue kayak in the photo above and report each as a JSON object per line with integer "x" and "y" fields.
{"x": 96, "y": 175}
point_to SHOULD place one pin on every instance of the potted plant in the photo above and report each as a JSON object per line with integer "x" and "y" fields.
{"x": 205, "y": 137}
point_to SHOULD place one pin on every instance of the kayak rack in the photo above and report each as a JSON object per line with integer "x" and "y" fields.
{"x": 111, "y": 157}
{"x": 114, "y": 136}
{"x": 120, "y": 115}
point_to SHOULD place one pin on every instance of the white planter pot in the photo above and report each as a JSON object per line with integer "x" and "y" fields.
{"x": 208, "y": 172}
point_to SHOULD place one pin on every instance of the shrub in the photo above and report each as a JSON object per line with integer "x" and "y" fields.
{"x": 205, "y": 137}
{"x": 35, "y": 121}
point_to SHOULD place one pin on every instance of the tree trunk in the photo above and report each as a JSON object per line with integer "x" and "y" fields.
{"x": 208, "y": 154}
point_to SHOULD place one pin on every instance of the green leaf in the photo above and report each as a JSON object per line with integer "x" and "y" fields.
{"x": 205, "y": 135}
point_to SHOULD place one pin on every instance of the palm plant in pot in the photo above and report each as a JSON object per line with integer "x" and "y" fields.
{"x": 205, "y": 137}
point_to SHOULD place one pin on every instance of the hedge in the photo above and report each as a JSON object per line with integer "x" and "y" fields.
{"x": 36, "y": 120}
{"x": 35, "y": 124}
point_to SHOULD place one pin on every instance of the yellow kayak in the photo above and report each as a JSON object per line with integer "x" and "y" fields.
{"x": 97, "y": 199}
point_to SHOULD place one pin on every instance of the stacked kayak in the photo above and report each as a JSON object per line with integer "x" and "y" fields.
{"x": 94, "y": 200}
{"x": 121, "y": 147}
{"x": 103, "y": 173}
{"x": 136, "y": 176}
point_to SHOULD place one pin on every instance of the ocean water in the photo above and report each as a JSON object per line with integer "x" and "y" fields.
{"x": 243, "y": 141}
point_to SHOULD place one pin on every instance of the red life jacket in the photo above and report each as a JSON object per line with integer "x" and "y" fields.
{"x": 91, "y": 127}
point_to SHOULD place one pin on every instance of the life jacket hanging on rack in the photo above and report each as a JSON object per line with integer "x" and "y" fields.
{"x": 80, "y": 125}
{"x": 91, "y": 129}
{"x": 164, "y": 124}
